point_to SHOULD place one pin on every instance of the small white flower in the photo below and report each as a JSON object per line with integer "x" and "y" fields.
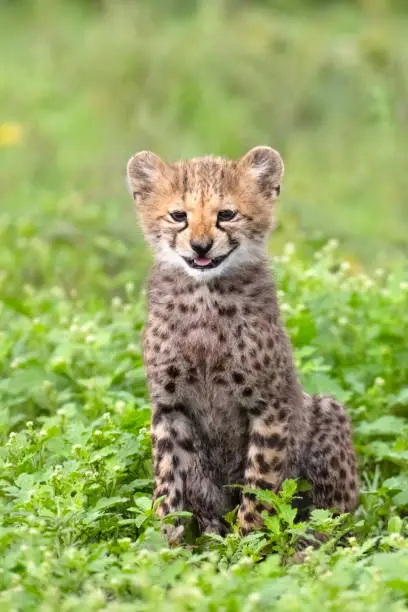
{"x": 333, "y": 244}
{"x": 57, "y": 361}
{"x": 116, "y": 301}
{"x": 379, "y": 382}
{"x": 119, "y": 406}
{"x": 130, "y": 287}
{"x": 310, "y": 273}
{"x": 289, "y": 249}
{"x": 132, "y": 349}
{"x": 344, "y": 266}
{"x": 254, "y": 597}
{"x": 90, "y": 339}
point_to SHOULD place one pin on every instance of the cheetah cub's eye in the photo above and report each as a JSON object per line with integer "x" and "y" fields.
{"x": 226, "y": 215}
{"x": 179, "y": 216}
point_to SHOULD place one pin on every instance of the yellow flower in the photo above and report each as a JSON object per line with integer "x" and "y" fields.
{"x": 10, "y": 134}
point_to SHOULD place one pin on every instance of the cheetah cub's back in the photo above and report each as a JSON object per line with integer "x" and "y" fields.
{"x": 227, "y": 405}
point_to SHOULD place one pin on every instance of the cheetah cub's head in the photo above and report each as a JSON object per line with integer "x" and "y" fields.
{"x": 207, "y": 215}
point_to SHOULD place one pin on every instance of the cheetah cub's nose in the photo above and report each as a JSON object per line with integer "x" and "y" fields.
{"x": 202, "y": 248}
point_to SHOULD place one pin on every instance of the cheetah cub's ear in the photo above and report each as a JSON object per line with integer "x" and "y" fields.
{"x": 265, "y": 165}
{"x": 145, "y": 171}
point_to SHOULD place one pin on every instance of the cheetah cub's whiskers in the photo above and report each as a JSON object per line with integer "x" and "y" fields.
{"x": 227, "y": 404}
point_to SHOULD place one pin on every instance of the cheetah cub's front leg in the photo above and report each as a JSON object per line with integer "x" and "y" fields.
{"x": 266, "y": 461}
{"x": 172, "y": 447}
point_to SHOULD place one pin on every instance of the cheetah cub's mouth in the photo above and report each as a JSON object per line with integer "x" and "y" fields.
{"x": 207, "y": 263}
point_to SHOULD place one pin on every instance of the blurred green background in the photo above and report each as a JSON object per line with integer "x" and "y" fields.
{"x": 84, "y": 84}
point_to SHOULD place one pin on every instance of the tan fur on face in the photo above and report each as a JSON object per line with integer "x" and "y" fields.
{"x": 202, "y": 187}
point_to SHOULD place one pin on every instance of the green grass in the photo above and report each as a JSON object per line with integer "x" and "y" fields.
{"x": 77, "y": 527}
{"x": 328, "y": 88}
{"x": 87, "y": 84}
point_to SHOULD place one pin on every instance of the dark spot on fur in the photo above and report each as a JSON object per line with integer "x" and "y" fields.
{"x": 227, "y": 311}
{"x": 172, "y": 371}
{"x": 187, "y": 445}
{"x": 164, "y": 445}
{"x": 275, "y": 441}
{"x": 262, "y": 484}
{"x": 263, "y": 465}
{"x": 238, "y": 377}
{"x": 269, "y": 419}
{"x": 176, "y": 499}
{"x": 334, "y": 462}
{"x": 170, "y": 387}
{"x": 283, "y": 414}
{"x": 249, "y": 517}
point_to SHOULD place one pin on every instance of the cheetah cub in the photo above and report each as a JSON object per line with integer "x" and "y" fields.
{"x": 227, "y": 404}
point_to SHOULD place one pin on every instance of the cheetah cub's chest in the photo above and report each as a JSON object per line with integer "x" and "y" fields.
{"x": 211, "y": 347}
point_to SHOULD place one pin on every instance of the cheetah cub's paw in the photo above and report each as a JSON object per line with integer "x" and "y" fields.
{"x": 173, "y": 533}
{"x": 249, "y": 515}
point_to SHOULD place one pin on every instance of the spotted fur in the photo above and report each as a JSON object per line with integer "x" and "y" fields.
{"x": 227, "y": 405}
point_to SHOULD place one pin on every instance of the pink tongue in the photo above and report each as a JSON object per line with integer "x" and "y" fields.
{"x": 202, "y": 261}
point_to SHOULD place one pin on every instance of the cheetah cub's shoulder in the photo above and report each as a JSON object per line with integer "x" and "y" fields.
{"x": 227, "y": 404}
